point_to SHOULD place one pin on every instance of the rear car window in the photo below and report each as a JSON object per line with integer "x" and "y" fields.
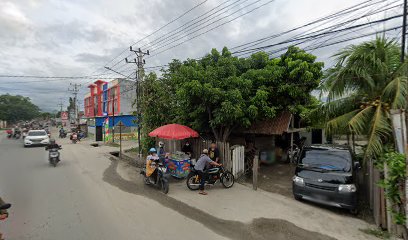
{"x": 39, "y": 133}
{"x": 327, "y": 159}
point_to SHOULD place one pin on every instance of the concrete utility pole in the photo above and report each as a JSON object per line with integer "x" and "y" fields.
{"x": 75, "y": 90}
{"x": 139, "y": 61}
{"x": 404, "y": 30}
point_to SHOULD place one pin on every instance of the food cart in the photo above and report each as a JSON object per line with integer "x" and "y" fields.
{"x": 178, "y": 163}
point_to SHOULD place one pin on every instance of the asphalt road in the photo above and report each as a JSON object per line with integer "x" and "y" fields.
{"x": 72, "y": 201}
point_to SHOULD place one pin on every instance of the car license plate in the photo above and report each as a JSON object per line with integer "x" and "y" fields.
{"x": 320, "y": 197}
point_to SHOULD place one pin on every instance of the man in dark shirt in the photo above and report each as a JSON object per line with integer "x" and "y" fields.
{"x": 204, "y": 163}
{"x": 214, "y": 153}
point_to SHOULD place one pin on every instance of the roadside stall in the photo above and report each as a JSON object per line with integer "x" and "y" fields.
{"x": 177, "y": 162}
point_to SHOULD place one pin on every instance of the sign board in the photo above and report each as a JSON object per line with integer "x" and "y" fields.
{"x": 64, "y": 115}
{"x": 107, "y": 132}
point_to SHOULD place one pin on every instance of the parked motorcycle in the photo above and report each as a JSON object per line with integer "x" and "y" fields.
{"x": 162, "y": 181}
{"x": 214, "y": 175}
{"x": 54, "y": 156}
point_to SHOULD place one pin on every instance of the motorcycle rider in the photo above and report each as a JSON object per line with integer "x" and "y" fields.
{"x": 203, "y": 164}
{"x": 52, "y": 145}
{"x": 61, "y": 132}
{"x": 3, "y": 213}
{"x": 151, "y": 168}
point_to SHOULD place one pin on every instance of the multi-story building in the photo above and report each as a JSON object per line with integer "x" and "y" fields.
{"x": 108, "y": 104}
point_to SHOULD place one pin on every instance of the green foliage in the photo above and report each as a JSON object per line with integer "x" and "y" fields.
{"x": 16, "y": 108}
{"x": 394, "y": 183}
{"x": 367, "y": 80}
{"x": 379, "y": 233}
{"x": 220, "y": 92}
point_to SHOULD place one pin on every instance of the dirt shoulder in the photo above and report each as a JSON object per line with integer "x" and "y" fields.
{"x": 241, "y": 213}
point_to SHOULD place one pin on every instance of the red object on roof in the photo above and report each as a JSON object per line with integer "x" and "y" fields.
{"x": 174, "y": 131}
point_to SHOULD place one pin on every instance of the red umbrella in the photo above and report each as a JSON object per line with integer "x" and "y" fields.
{"x": 173, "y": 131}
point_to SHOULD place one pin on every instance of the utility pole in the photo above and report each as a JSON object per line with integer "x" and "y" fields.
{"x": 404, "y": 31}
{"x": 139, "y": 61}
{"x": 113, "y": 114}
{"x": 75, "y": 90}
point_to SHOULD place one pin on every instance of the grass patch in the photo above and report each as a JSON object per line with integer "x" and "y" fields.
{"x": 379, "y": 233}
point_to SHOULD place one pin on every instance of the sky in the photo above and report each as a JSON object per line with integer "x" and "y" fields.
{"x": 80, "y": 37}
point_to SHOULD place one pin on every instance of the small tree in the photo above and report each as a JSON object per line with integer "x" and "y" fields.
{"x": 221, "y": 92}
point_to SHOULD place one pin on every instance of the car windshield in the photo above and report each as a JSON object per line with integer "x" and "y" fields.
{"x": 327, "y": 159}
{"x": 39, "y": 133}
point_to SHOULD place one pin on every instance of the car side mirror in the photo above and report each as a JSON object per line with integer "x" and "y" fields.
{"x": 357, "y": 166}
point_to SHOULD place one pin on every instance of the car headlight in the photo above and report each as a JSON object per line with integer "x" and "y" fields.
{"x": 298, "y": 181}
{"x": 347, "y": 188}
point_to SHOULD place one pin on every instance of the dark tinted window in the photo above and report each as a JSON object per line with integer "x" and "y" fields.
{"x": 39, "y": 133}
{"x": 327, "y": 159}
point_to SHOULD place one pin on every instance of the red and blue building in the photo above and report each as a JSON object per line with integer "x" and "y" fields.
{"x": 111, "y": 102}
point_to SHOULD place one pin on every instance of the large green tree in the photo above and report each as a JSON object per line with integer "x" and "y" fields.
{"x": 220, "y": 92}
{"x": 15, "y": 108}
{"x": 366, "y": 82}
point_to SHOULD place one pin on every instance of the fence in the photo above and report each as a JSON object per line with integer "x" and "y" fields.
{"x": 238, "y": 160}
{"x": 199, "y": 144}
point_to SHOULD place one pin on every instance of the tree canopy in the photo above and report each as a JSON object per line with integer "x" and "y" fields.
{"x": 366, "y": 82}
{"x": 16, "y": 108}
{"x": 220, "y": 92}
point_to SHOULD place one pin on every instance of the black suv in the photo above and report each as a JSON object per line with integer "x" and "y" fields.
{"x": 326, "y": 175}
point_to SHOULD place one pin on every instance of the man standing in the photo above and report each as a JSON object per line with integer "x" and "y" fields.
{"x": 203, "y": 164}
{"x": 214, "y": 153}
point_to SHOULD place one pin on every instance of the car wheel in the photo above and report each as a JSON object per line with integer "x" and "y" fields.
{"x": 297, "y": 197}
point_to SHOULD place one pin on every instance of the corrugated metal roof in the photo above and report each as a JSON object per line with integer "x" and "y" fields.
{"x": 275, "y": 126}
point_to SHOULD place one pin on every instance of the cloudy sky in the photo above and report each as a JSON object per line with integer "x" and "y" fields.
{"x": 80, "y": 37}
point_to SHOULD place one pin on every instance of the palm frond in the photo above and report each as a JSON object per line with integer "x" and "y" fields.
{"x": 358, "y": 124}
{"x": 339, "y": 125}
{"x": 396, "y": 92}
{"x": 379, "y": 131}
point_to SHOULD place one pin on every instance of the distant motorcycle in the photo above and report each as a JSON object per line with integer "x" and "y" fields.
{"x": 54, "y": 156}
{"x": 214, "y": 175}
{"x": 162, "y": 181}
{"x": 62, "y": 135}
{"x": 74, "y": 138}
{"x": 17, "y": 135}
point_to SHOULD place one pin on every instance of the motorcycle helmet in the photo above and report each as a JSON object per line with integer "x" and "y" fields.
{"x": 152, "y": 150}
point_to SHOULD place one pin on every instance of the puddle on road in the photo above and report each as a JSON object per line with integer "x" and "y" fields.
{"x": 260, "y": 228}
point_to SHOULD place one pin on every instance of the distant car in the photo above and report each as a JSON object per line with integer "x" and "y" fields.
{"x": 36, "y": 138}
{"x": 327, "y": 175}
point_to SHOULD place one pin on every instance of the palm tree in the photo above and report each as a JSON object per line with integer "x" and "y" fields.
{"x": 366, "y": 82}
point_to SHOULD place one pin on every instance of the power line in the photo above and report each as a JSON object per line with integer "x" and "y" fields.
{"x": 157, "y": 30}
{"x": 189, "y": 39}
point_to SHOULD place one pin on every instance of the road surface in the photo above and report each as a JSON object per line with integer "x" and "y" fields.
{"x": 72, "y": 201}
{"x": 88, "y": 196}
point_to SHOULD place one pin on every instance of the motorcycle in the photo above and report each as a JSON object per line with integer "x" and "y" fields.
{"x": 214, "y": 175}
{"x": 17, "y": 135}
{"x": 74, "y": 138}
{"x": 62, "y": 135}
{"x": 9, "y": 135}
{"x": 54, "y": 156}
{"x": 162, "y": 181}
